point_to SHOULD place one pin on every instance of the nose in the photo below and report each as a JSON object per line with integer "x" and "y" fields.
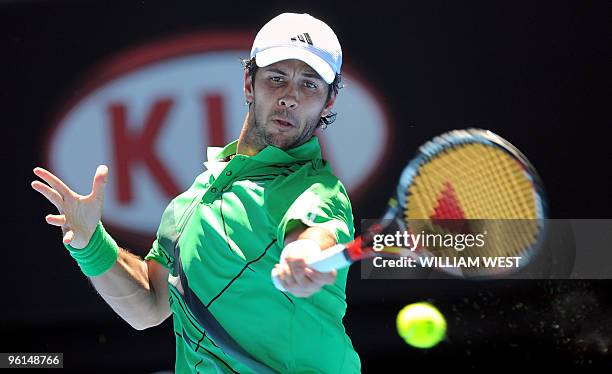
{"x": 287, "y": 102}
{"x": 289, "y": 98}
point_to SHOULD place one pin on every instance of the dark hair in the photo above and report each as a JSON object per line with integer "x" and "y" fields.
{"x": 251, "y": 67}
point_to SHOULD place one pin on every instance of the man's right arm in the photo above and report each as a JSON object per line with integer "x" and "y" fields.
{"x": 137, "y": 290}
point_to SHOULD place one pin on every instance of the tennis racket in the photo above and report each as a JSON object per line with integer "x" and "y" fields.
{"x": 461, "y": 183}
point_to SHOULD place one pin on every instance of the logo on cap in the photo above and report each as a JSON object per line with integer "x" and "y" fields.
{"x": 304, "y": 38}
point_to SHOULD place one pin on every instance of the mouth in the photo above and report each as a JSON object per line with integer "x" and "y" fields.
{"x": 283, "y": 124}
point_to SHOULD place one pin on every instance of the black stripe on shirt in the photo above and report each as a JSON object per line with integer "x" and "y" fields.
{"x": 240, "y": 273}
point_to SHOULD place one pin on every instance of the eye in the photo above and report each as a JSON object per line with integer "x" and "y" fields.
{"x": 276, "y": 79}
{"x": 310, "y": 85}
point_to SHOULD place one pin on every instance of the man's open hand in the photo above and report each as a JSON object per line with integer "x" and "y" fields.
{"x": 78, "y": 215}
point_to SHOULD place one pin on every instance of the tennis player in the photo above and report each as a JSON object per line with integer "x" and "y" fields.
{"x": 265, "y": 202}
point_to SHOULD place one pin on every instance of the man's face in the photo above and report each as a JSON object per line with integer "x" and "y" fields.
{"x": 288, "y": 99}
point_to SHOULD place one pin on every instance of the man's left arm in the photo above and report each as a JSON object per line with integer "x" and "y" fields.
{"x": 293, "y": 273}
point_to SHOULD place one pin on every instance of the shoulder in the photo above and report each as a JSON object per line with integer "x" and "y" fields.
{"x": 313, "y": 180}
{"x": 315, "y": 175}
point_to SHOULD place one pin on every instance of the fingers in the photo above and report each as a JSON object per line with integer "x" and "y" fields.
{"x": 68, "y": 237}
{"x": 99, "y": 181}
{"x": 53, "y": 181}
{"x": 297, "y": 267}
{"x": 56, "y": 220}
{"x": 281, "y": 272}
{"x": 52, "y": 195}
{"x": 321, "y": 278}
{"x": 301, "y": 280}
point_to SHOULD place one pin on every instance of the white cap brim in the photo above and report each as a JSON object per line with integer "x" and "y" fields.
{"x": 276, "y": 54}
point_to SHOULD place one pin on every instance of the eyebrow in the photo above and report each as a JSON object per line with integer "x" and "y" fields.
{"x": 312, "y": 74}
{"x": 307, "y": 74}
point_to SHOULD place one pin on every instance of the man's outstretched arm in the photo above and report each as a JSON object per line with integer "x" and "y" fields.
{"x": 137, "y": 290}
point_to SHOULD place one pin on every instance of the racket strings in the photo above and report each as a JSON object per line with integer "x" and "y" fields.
{"x": 476, "y": 181}
{"x": 489, "y": 185}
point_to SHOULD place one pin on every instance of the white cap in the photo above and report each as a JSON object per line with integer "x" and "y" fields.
{"x": 302, "y": 37}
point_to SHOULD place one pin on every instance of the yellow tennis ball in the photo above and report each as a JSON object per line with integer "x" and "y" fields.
{"x": 421, "y": 325}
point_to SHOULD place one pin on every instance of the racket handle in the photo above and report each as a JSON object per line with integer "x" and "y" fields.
{"x": 332, "y": 258}
{"x": 325, "y": 261}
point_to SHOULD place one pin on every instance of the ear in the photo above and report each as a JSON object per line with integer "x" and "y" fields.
{"x": 248, "y": 87}
{"x": 329, "y": 105}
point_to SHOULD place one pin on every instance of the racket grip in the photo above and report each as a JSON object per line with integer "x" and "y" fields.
{"x": 325, "y": 261}
{"x": 332, "y": 258}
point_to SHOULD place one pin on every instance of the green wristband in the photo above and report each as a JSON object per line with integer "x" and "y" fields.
{"x": 98, "y": 256}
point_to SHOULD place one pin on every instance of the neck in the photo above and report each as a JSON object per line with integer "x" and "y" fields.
{"x": 247, "y": 144}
